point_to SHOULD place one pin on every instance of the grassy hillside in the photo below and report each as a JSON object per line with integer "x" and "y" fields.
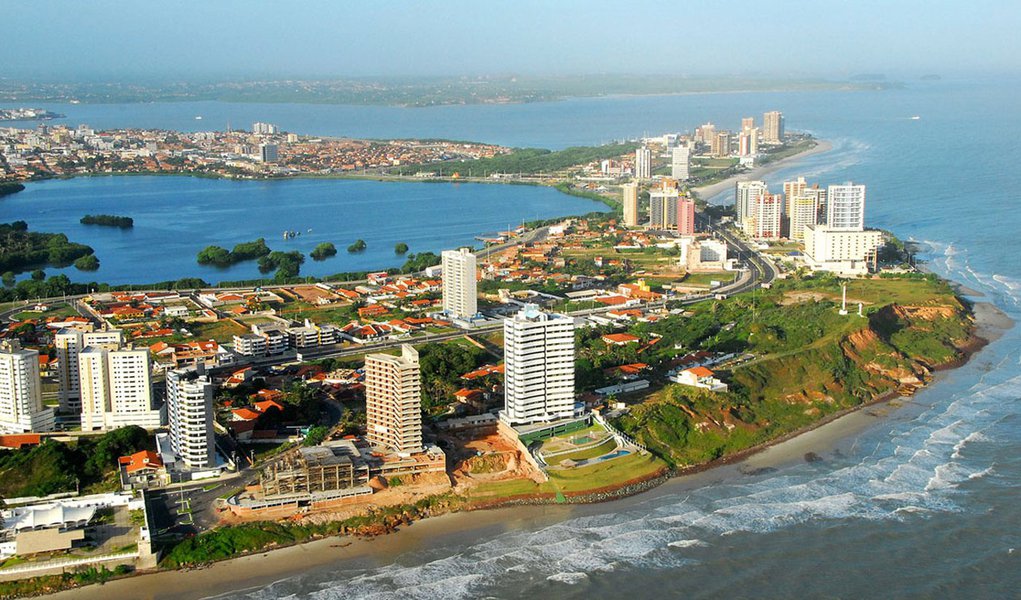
{"x": 809, "y": 361}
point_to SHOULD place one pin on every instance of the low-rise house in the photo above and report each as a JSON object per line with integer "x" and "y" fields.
{"x": 142, "y": 470}
{"x": 620, "y": 339}
{"x": 699, "y": 377}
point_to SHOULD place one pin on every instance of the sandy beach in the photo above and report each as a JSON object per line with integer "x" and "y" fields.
{"x": 458, "y": 529}
{"x": 708, "y": 191}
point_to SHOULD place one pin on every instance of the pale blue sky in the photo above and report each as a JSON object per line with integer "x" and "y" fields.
{"x": 51, "y": 40}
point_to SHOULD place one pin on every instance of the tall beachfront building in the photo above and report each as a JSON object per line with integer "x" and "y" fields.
{"x": 643, "y": 163}
{"x": 767, "y": 218}
{"x": 190, "y": 416}
{"x": 21, "y": 403}
{"x": 746, "y": 196}
{"x": 802, "y": 211}
{"x": 747, "y": 123}
{"x": 539, "y": 367}
{"x": 68, "y": 343}
{"x": 748, "y": 142}
{"x": 686, "y": 216}
{"x": 630, "y": 202}
{"x": 791, "y": 190}
{"x": 772, "y": 127}
{"x": 460, "y": 298}
{"x": 116, "y": 389}
{"x": 845, "y": 206}
{"x": 393, "y": 401}
{"x": 680, "y": 162}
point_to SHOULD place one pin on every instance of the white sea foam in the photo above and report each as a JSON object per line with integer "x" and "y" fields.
{"x": 568, "y": 578}
{"x": 687, "y": 544}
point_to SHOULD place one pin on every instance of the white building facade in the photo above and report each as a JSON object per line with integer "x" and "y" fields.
{"x": 21, "y": 404}
{"x": 68, "y": 343}
{"x": 460, "y": 293}
{"x": 116, "y": 389}
{"x": 845, "y": 206}
{"x": 190, "y": 416}
{"x": 539, "y": 367}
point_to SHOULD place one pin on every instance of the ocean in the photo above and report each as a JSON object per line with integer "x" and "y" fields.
{"x": 924, "y": 503}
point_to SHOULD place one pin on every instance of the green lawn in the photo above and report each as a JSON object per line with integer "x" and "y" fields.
{"x": 509, "y": 488}
{"x": 605, "y": 448}
{"x": 606, "y": 473}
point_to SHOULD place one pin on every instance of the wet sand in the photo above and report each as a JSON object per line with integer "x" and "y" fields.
{"x": 459, "y": 529}
{"x": 708, "y": 191}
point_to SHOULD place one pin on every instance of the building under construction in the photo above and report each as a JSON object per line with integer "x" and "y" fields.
{"x": 317, "y": 473}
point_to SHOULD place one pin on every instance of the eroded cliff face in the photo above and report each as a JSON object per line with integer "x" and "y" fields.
{"x": 904, "y": 344}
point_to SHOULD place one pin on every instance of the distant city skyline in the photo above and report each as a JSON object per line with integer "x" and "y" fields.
{"x": 57, "y": 40}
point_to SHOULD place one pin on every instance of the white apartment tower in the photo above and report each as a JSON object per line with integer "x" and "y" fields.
{"x": 21, "y": 403}
{"x": 630, "y": 201}
{"x": 845, "y": 206}
{"x": 772, "y": 127}
{"x": 460, "y": 298}
{"x": 393, "y": 401}
{"x": 68, "y": 343}
{"x": 116, "y": 389}
{"x": 746, "y": 197}
{"x": 190, "y": 415}
{"x": 680, "y": 163}
{"x": 643, "y": 163}
{"x": 539, "y": 367}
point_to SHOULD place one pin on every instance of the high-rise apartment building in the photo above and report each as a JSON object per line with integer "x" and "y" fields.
{"x": 268, "y": 153}
{"x": 746, "y": 196}
{"x": 68, "y": 343}
{"x": 539, "y": 367}
{"x": 720, "y": 146}
{"x": 747, "y": 143}
{"x": 686, "y": 216}
{"x": 791, "y": 190}
{"x": 21, "y": 403}
{"x": 802, "y": 211}
{"x": 767, "y": 218}
{"x": 663, "y": 207}
{"x": 393, "y": 401}
{"x": 747, "y": 123}
{"x": 706, "y": 133}
{"x": 265, "y": 129}
{"x": 116, "y": 389}
{"x": 190, "y": 416}
{"x": 680, "y": 162}
{"x": 643, "y": 163}
{"x": 460, "y": 298}
{"x": 845, "y": 206}
{"x": 630, "y": 201}
{"x": 772, "y": 127}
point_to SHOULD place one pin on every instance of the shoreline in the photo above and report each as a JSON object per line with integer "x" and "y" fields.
{"x": 464, "y": 526}
{"x": 707, "y": 192}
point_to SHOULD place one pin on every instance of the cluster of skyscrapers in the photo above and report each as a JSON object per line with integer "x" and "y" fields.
{"x": 829, "y": 221}
{"x": 109, "y": 385}
{"x": 669, "y": 208}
